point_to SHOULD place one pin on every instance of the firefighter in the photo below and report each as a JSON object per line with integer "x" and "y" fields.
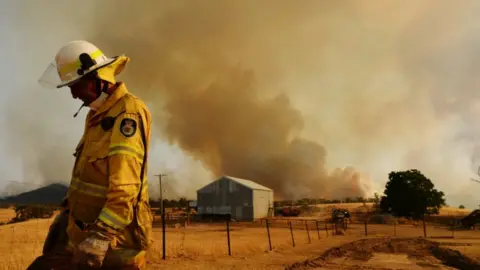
{"x": 109, "y": 221}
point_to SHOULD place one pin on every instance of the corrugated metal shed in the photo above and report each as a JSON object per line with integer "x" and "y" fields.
{"x": 241, "y": 198}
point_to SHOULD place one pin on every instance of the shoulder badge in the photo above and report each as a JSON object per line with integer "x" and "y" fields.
{"x": 128, "y": 127}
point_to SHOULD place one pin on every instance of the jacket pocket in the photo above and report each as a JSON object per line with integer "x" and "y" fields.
{"x": 95, "y": 169}
{"x": 97, "y": 150}
{"x": 144, "y": 220}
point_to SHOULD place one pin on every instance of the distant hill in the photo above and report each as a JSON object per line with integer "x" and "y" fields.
{"x": 51, "y": 194}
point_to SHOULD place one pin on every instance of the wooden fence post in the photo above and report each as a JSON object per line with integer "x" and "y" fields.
{"x": 308, "y": 232}
{"x": 163, "y": 234}
{"x": 366, "y": 232}
{"x": 228, "y": 237}
{"x": 291, "y": 233}
{"x": 318, "y": 231}
{"x": 453, "y": 227}
{"x": 424, "y": 228}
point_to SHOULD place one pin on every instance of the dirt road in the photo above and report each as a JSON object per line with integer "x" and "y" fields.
{"x": 389, "y": 253}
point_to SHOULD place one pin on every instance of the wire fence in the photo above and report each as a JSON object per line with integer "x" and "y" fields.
{"x": 182, "y": 237}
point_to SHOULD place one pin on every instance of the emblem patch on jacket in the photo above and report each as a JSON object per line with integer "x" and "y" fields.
{"x": 128, "y": 127}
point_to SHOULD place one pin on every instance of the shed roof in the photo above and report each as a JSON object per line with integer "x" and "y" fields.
{"x": 247, "y": 183}
{"x": 244, "y": 182}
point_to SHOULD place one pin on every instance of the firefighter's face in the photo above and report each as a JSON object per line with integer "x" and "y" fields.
{"x": 85, "y": 90}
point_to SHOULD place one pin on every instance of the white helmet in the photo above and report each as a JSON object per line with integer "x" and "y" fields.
{"x": 73, "y": 61}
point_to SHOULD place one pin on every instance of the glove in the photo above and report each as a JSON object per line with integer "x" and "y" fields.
{"x": 92, "y": 250}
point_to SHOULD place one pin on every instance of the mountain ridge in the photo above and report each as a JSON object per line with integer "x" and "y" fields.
{"x": 52, "y": 194}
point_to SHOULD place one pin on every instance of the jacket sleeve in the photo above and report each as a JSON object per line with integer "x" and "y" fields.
{"x": 126, "y": 152}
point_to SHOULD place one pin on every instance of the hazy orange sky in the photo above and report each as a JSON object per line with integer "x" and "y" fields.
{"x": 317, "y": 99}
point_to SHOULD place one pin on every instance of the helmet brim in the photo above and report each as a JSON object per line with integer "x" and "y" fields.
{"x": 95, "y": 68}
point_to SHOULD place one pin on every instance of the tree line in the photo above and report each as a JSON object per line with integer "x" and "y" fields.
{"x": 312, "y": 201}
{"x": 183, "y": 202}
{"x": 180, "y": 203}
{"x": 407, "y": 194}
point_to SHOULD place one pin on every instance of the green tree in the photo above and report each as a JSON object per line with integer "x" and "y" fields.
{"x": 461, "y": 206}
{"x": 411, "y": 194}
{"x": 183, "y": 202}
{"x": 361, "y": 199}
{"x": 376, "y": 200}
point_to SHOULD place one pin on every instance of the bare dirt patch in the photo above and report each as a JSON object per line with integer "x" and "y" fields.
{"x": 388, "y": 253}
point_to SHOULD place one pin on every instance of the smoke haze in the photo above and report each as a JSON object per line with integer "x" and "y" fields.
{"x": 319, "y": 99}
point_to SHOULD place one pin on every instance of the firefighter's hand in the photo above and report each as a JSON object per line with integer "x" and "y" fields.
{"x": 92, "y": 250}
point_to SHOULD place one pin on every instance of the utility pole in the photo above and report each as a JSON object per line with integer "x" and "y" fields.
{"x": 164, "y": 248}
{"x": 161, "y": 191}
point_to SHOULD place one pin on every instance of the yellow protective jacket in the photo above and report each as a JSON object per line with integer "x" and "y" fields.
{"x": 106, "y": 177}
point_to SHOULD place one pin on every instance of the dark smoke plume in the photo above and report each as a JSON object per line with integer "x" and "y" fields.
{"x": 187, "y": 64}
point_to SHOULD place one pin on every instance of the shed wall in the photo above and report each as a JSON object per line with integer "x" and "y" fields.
{"x": 226, "y": 197}
{"x": 262, "y": 201}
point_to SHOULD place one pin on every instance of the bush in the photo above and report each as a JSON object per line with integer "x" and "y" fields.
{"x": 403, "y": 220}
{"x": 26, "y": 212}
{"x": 381, "y": 219}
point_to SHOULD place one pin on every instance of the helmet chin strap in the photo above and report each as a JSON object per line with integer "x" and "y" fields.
{"x": 101, "y": 97}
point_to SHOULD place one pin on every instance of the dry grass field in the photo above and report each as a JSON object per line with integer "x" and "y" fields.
{"x": 6, "y": 214}
{"x": 323, "y": 210}
{"x": 354, "y": 206}
{"x": 22, "y": 242}
{"x": 204, "y": 246}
